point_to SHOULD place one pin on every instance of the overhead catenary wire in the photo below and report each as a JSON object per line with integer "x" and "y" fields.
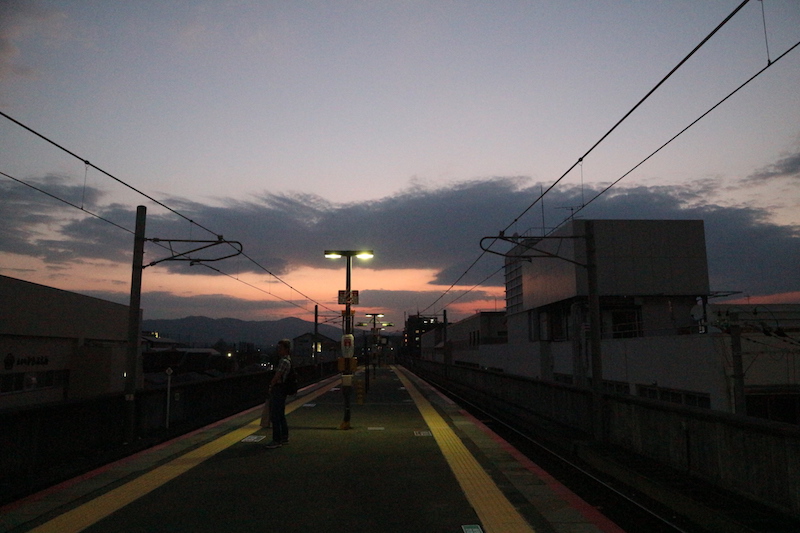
{"x": 290, "y": 302}
{"x": 484, "y": 280}
{"x": 629, "y": 113}
{"x": 597, "y": 143}
{"x": 671, "y": 139}
{"x": 128, "y": 230}
{"x": 62, "y": 200}
{"x": 118, "y": 180}
{"x": 454, "y": 284}
{"x": 684, "y": 130}
{"x": 87, "y": 164}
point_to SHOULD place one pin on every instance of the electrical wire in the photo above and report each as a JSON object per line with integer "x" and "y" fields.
{"x": 81, "y": 208}
{"x": 597, "y": 143}
{"x": 477, "y": 285}
{"x": 290, "y": 302}
{"x": 766, "y": 37}
{"x": 121, "y": 182}
{"x": 620, "y": 121}
{"x": 131, "y": 187}
{"x": 694, "y": 122}
{"x": 454, "y": 283}
{"x": 54, "y": 197}
{"x": 664, "y": 145}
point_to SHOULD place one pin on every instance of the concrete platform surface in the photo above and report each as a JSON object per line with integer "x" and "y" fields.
{"x": 412, "y": 461}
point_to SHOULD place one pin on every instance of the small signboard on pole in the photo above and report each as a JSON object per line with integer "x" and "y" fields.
{"x": 343, "y": 298}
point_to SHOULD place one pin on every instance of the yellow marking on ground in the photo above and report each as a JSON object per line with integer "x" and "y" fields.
{"x": 496, "y": 513}
{"x": 95, "y": 510}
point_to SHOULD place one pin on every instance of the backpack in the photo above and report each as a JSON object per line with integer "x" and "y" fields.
{"x": 290, "y": 383}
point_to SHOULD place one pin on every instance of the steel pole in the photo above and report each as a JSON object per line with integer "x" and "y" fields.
{"x": 134, "y": 324}
{"x": 347, "y": 388}
{"x": 595, "y": 344}
{"x": 739, "y": 402}
{"x": 348, "y": 321}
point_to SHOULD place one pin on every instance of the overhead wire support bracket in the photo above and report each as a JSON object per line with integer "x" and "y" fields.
{"x": 184, "y": 256}
{"x": 530, "y": 244}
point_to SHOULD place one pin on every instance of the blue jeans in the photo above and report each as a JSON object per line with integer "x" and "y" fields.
{"x": 277, "y": 413}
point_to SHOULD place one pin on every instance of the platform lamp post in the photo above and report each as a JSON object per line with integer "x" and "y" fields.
{"x": 347, "y": 363}
{"x": 374, "y": 317}
{"x": 376, "y": 327}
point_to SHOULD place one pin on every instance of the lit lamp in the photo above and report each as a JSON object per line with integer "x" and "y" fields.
{"x": 376, "y": 327}
{"x": 349, "y": 254}
{"x": 348, "y": 366}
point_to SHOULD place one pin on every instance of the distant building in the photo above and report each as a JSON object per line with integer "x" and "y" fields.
{"x": 416, "y": 326}
{"x": 468, "y": 342}
{"x": 310, "y": 350}
{"x": 161, "y": 355}
{"x": 58, "y": 345}
{"x": 769, "y": 341}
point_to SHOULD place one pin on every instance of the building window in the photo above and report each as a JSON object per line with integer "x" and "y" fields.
{"x": 683, "y": 397}
{"x": 533, "y": 326}
{"x": 616, "y": 387}
{"x": 552, "y": 324}
{"x": 29, "y": 381}
{"x": 474, "y": 338}
{"x": 544, "y": 326}
{"x": 626, "y": 323}
{"x": 566, "y": 379}
{"x": 514, "y": 286}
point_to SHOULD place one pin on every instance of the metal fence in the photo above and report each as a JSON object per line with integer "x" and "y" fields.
{"x": 46, "y": 444}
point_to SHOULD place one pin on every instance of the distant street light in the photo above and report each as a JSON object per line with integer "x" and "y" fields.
{"x": 375, "y": 336}
{"x": 347, "y": 364}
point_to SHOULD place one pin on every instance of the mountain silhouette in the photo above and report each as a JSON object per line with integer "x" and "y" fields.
{"x": 200, "y": 331}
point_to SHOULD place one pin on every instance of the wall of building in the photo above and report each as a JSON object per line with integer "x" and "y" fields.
{"x": 634, "y": 257}
{"x": 694, "y": 366}
{"x": 57, "y": 344}
{"x": 97, "y": 370}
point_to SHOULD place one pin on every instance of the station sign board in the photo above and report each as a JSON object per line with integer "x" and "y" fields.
{"x": 343, "y": 297}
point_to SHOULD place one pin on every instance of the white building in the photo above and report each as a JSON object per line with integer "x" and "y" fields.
{"x": 659, "y": 338}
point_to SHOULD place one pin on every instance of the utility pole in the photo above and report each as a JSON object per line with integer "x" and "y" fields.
{"x": 739, "y": 403}
{"x": 316, "y": 340}
{"x": 594, "y": 331}
{"x": 134, "y": 325}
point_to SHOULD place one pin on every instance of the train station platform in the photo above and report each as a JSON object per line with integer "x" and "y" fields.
{"x": 412, "y": 460}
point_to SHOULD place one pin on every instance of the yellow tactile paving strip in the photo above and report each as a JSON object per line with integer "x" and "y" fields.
{"x": 91, "y": 512}
{"x": 497, "y": 514}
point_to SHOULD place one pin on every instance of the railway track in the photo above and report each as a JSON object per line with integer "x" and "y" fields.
{"x": 629, "y": 508}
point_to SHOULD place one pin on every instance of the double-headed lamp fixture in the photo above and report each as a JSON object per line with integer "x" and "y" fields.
{"x": 360, "y": 254}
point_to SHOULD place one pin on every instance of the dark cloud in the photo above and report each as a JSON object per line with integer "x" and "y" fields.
{"x": 787, "y": 167}
{"x": 160, "y": 304}
{"x": 36, "y": 224}
{"x": 439, "y": 229}
{"x": 436, "y": 229}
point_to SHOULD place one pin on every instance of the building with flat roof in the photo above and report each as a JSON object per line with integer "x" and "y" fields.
{"x": 58, "y": 345}
{"x": 659, "y": 337}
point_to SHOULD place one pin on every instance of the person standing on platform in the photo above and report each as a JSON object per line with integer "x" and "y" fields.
{"x": 277, "y": 396}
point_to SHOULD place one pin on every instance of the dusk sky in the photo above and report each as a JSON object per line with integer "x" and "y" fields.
{"x": 411, "y": 128}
